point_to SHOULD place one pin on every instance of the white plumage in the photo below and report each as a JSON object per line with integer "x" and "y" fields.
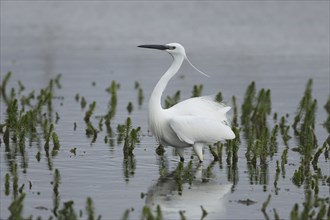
{"x": 194, "y": 122}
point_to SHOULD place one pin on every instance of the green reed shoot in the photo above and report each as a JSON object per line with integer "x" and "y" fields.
{"x": 214, "y": 154}
{"x": 147, "y": 213}
{"x": 178, "y": 177}
{"x": 264, "y": 206}
{"x": 326, "y": 123}
{"x": 160, "y": 150}
{"x": 304, "y": 120}
{"x": 16, "y": 208}
{"x": 247, "y": 106}
{"x": 317, "y": 155}
{"x": 91, "y": 131}
{"x": 7, "y": 184}
{"x": 112, "y": 89}
{"x": 129, "y": 165}
{"x": 204, "y": 213}
{"x": 129, "y": 107}
{"x": 48, "y": 136}
{"x": 140, "y": 96}
{"x": 83, "y": 102}
{"x": 56, "y": 143}
{"x": 77, "y": 97}
{"x": 218, "y": 97}
{"x": 67, "y": 212}
{"x": 4, "y": 86}
{"x": 56, "y": 183}
{"x": 172, "y": 100}
{"x": 235, "y": 114}
{"x": 131, "y": 136}
{"x": 90, "y": 112}
{"x": 21, "y": 87}
{"x": 284, "y": 160}
{"x": 197, "y": 90}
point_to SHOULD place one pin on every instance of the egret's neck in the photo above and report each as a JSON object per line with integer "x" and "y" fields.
{"x": 155, "y": 99}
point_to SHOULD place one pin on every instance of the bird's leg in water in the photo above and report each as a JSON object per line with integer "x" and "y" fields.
{"x": 181, "y": 153}
{"x": 198, "y": 148}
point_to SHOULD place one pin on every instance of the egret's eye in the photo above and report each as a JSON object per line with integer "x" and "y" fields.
{"x": 172, "y": 47}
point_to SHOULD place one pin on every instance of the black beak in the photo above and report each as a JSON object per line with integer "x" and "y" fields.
{"x": 155, "y": 46}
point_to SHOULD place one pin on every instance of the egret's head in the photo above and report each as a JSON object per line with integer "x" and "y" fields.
{"x": 171, "y": 48}
{"x": 174, "y": 49}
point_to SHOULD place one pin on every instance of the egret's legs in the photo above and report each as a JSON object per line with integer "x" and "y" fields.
{"x": 181, "y": 153}
{"x": 198, "y": 148}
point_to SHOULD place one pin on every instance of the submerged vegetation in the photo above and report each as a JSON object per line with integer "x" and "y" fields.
{"x": 265, "y": 141}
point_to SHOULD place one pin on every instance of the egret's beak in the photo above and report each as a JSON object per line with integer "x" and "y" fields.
{"x": 155, "y": 46}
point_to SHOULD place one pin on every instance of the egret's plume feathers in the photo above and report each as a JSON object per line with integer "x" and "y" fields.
{"x": 196, "y": 68}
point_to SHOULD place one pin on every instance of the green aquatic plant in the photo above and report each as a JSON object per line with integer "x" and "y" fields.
{"x": 112, "y": 90}
{"x": 67, "y": 212}
{"x": 91, "y": 210}
{"x": 57, "y": 80}
{"x": 277, "y": 174}
{"x": 273, "y": 145}
{"x": 56, "y": 198}
{"x": 218, "y": 97}
{"x": 304, "y": 120}
{"x": 197, "y": 90}
{"x": 147, "y": 213}
{"x": 129, "y": 166}
{"x": 265, "y": 205}
{"x": 91, "y": 131}
{"x": 313, "y": 207}
{"x": 284, "y": 130}
{"x": 83, "y": 102}
{"x": 284, "y": 160}
{"x": 7, "y": 184}
{"x": 4, "y": 86}
{"x": 77, "y": 97}
{"x": 130, "y": 136}
{"x": 234, "y": 121}
{"x": 21, "y": 86}
{"x": 204, "y": 213}
{"x": 317, "y": 155}
{"x": 326, "y": 123}
{"x": 16, "y": 208}
{"x": 247, "y": 106}
{"x": 172, "y": 100}
{"x": 214, "y": 154}
{"x": 100, "y": 124}
{"x": 160, "y": 150}
{"x": 138, "y": 87}
{"x": 56, "y": 143}
{"x": 129, "y": 107}
{"x": 182, "y": 217}
{"x": 48, "y": 135}
{"x": 90, "y": 112}
{"x": 179, "y": 177}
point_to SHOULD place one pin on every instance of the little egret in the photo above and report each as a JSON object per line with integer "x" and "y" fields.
{"x": 194, "y": 122}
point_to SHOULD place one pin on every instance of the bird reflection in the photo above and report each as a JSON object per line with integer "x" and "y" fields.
{"x": 189, "y": 190}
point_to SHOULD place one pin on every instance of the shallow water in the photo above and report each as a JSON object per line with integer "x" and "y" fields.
{"x": 236, "y": 43}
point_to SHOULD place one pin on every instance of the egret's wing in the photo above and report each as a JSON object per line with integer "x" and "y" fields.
{"x": 204, "y": 106}
{"x": 191, "y": 129}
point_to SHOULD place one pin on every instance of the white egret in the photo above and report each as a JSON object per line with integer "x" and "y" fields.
{"x": 194, "y": 122}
